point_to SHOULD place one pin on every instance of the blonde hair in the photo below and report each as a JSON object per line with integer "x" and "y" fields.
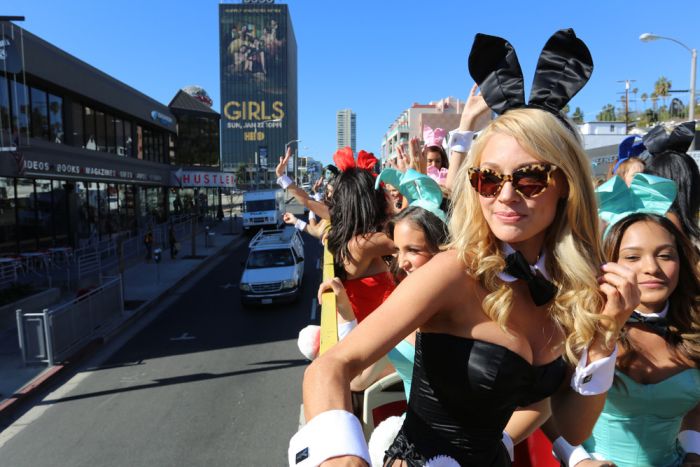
{"x": 572, "y": 241}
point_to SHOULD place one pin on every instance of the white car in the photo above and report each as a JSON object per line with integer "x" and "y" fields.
{"x": 275, "y": 267}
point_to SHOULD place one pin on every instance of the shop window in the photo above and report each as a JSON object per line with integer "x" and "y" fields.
{"x": 90, "y": 137}
{"x": 86, "y": 214}
{"x": 77, "y": 119}
{"x": 119, "y": 136}
{"x": 20, "y": 112}
{"x": 8, "y": 231}
{"x": 44, "y": 204}
{"x": 56, "y": 119}
{"x": 110, "y": 134}
{"x": 100, "y": 134}
{"x": 60, "y": 213}
{"x": 26, "y": 215}
{"x": 5, "y": 129}
{"x": 40, "y": 114}
{"x": 128, "y": 140}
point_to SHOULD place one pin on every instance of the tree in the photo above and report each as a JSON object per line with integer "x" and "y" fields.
{"x": 662, "y": 87}
{"x": 654, "y": 99}
{"x": 578, "y": 115}
{"x": 566, "y": 109}
{"x": 644, "y": 98}
{"x": 607, "y": 114}
{"x": 634, "y": 92}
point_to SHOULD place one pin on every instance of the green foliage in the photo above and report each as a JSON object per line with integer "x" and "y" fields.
{"x": 578, "y": 115}
{"x": 607, "y": 114}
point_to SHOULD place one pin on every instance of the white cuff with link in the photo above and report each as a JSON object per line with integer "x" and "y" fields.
{"x": 300, "y": 225}
{"x": 329, "y": 434}
{"x": 568, "y": 454}
{"x": 690, "y": 441}
{"x": 284, "y": 181}
{"x": 461, "y": 141}
{"x": 596, "y": 377}
{"x": 345, "y": 328}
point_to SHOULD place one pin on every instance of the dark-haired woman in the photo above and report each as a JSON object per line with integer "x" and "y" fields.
{"x": 652, "y": 413}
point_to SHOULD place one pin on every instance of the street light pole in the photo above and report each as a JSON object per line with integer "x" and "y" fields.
{"x": 294, "y": 160}
{"x": 648, "y": 37}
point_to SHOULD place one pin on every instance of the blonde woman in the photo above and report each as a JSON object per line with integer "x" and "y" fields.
{"x": 489, "y": 342}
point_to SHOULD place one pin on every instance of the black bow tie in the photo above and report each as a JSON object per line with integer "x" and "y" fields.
{"x": 654, "y": 323}
{"x": 541, "y": 290}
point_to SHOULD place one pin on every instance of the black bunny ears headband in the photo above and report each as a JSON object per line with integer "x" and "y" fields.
{"x": 677, "y": 139}
{"x": 564, "y": 67}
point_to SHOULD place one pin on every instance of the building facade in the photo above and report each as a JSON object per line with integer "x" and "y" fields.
{"x": 346, "y": 129}
{"x": 258, "y": 67}
{"x": 410, "y": 123}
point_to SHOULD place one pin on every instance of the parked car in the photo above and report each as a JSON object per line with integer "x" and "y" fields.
{"x": 274, "y": 270}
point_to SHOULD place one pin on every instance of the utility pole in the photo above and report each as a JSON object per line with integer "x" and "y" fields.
{"x": 626, "y": 101}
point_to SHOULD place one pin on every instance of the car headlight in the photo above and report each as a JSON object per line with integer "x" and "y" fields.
{"x": 245, "y": 287}
{"x": 290, "y": 284}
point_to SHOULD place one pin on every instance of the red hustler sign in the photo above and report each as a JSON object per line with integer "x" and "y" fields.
{"x": 205, "y": 179}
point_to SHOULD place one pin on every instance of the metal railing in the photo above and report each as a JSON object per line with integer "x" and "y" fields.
{"x": 52, "y": 335}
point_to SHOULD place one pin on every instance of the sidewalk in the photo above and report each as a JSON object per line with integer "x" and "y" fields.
{"x": 144, "y": 285}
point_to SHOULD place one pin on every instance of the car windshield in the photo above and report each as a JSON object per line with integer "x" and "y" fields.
{"x": 261, "y": 205}
{"x": 270, "y": 258}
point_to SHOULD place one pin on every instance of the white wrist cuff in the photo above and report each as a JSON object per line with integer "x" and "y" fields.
{"x": 318, "y": 197}
{"x": 300, "y": 225}
{"x": 595, "y": 378}
{"x": 345, "y": 328}
{"x": 284, "y": 181}
{"x": 461, "y": 141}
{"x": 329, "y": 434}
{"x": 690, "y": 441}
{"x": 312, "y": 216}
{"x": 568, "y": 454}
{"x": 508, "y": 443}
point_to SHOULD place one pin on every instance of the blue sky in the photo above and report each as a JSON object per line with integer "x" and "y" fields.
{"x": 375, "y": 57}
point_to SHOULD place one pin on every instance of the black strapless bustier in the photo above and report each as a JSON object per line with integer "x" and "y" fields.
{"x": 463, "y": 393}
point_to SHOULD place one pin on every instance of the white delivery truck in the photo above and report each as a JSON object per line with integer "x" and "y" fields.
{"x": 263, "y": 208}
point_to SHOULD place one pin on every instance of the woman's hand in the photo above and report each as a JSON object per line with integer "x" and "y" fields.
{"x": 403, "y": 160}
{"x": 622, "y": 295}
{"x": 342, "y": 301}
{"x": 475, "y": 111}
{"x": 317, "y": 186}
{"x": 289, "y": 218}
{"x": 282, "y": 166}
{"x": 418, "y": 160}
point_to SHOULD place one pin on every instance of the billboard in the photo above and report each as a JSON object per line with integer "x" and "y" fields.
{"x": 258, "y": 82}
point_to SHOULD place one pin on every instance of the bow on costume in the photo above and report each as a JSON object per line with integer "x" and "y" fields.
{"x": 647, "y": 194}
{"x": 433, "y": 137}
{"x": 343, "y": 160}
{"x": 564, "y": 67}
{"x": 418, "y": 188}
{"x": 661, "y": 139}
{"x": 632, "y": 146}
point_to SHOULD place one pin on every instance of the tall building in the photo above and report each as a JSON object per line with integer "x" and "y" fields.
{"x": 258, "y": 66}
{"x": 346, "y": 129}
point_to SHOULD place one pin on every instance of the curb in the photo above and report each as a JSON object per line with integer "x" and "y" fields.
{"x": 43, "y": 378}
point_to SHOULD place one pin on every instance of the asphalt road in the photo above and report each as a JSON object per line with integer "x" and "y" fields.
{"x": 206, "y": 383}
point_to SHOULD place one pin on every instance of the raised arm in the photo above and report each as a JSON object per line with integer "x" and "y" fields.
{"x": 474, "y": 117}
{"x": 300, "y": 195}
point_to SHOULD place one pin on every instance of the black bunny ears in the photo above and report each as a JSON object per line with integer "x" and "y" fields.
{"x": 661, "y": 139}
{"x": 564, "y": 67}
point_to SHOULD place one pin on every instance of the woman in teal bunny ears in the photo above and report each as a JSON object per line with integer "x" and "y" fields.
{"x": 652, "y": 414}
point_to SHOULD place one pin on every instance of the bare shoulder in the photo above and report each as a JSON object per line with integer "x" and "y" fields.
{"x": 451, "y": 267}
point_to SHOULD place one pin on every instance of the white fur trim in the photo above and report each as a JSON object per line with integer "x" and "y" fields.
{"x": 568, "y": 454}
{"x": 595, "y": 378}
{"x": 690, "y": 441}
{"x": 284, "y": 181}
{"x": 382, "y": 437}
{"x": 309, "y": 341}
{"x": 329, "y": 434}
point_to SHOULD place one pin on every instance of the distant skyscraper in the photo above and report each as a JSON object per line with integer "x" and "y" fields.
{"x": 345, "y": 132}
{"x": 258, "y": 54}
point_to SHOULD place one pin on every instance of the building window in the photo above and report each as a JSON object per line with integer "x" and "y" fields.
{"x": 77, "y": 117}
{"x": 119, "y": 136}
{"x": 90, "y": 141}
{"x": 110, "y": 135}
{"x": 56, "y": 118}
{"x": 40, "y": 114}
{"x": 8, "y": 223}
{"x": 100, "y": 134}
{"x": 5, "y": 130}
{"x": 139, "y": 142}
{"x": 128, "y": 140}
{"x": 20, "y": 111}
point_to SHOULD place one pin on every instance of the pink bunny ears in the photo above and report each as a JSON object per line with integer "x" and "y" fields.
{"x": 433, "y": 137}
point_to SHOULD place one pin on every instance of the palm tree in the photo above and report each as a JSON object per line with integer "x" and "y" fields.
{"x": 634, "y": 93}
{"x": 661, "y": 88}
{"x": 644, "y": 98}
{"x": 578, "y": 115}
{"x": 654, "y": 98}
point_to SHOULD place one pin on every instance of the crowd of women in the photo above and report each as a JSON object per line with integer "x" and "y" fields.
{"x": 508, "y": 292}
